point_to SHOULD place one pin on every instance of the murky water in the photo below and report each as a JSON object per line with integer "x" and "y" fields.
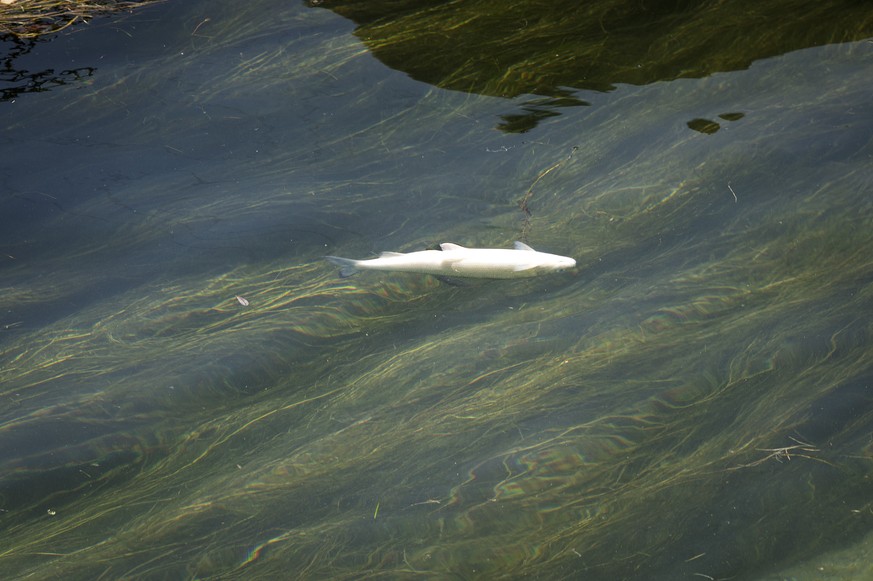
{"x": 694, "y": 402}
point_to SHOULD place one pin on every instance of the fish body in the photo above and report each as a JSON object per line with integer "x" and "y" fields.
{"x": 457, "y": 261}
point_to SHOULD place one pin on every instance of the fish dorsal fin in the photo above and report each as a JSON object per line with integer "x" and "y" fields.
{"x": 446, "y": 246}
{"x": 522, "y": 246}
{"x": 390, "y": 254}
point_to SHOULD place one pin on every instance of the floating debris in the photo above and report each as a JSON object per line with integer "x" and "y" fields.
{"x": 33, "y": 18}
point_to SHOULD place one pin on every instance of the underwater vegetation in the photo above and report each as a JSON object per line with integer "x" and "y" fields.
{"x": 187, "y": 389}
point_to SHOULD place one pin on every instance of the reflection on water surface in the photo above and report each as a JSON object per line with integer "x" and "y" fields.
{"x": 544, "y": 48}
{"x": 694, "y": 401}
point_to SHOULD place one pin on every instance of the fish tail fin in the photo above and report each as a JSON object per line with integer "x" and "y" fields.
{"x": 348, "y": 267}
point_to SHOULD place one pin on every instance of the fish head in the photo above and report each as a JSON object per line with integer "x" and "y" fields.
{"x": 555, "y": 263}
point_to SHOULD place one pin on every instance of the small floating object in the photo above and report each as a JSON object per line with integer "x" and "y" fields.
{"x": 242, "y": 301}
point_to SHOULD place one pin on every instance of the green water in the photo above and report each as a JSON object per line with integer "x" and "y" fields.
{"x": 694, "y": 402}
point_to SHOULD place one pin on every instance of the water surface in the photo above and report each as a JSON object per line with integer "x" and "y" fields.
{"x": 694, "y": 401}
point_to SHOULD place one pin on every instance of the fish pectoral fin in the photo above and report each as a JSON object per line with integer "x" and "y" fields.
{"x": 390, "y": 254}
{"x": 523, "y": 267}
{"x": 446, "y": 246}
{"x": 522, "y": 246}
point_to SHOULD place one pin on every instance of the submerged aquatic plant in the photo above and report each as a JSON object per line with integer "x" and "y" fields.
{"x": 693, "y": 403}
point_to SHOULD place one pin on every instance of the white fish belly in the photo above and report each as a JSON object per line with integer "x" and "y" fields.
{"x": 468, "y": 262}
{"x": 479, "y": 267}
{"x": 480, "y": 263}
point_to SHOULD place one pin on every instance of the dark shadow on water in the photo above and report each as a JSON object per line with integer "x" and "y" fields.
{"x": 510, "y": 49}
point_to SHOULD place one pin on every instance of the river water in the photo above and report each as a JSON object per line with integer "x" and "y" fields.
{"x": 188, "y": 390}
